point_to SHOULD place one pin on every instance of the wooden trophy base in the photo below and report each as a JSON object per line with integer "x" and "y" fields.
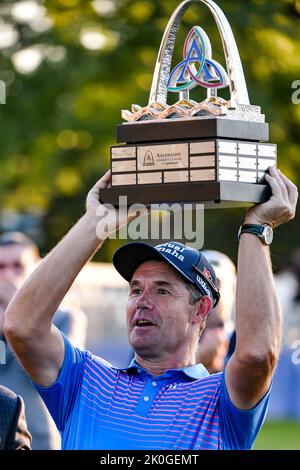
{"x": 216, "y": 195}
{"x": 217, "y": 162}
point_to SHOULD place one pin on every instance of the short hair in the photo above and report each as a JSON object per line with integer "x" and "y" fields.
{"x": 195, "y": 296}
{"x": 18, "y": 239}
{"x": 194, "y": 292}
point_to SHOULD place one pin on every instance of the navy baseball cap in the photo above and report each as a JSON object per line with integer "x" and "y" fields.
{"x": 188, "y": 262}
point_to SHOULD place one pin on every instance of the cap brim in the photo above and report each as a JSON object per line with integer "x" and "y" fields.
{"x": 129, "y": 257}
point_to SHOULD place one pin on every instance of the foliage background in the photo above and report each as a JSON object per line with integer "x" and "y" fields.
{"x": 60, "y": 116}
{"x": 70, "y": 66}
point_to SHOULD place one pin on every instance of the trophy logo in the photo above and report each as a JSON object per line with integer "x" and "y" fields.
{"x": 148, "y": 159}
{"x": 215, "y": 150}
{"x": 210, "y": 74}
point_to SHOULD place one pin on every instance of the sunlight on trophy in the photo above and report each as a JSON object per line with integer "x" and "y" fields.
{"x": 215, "y": 151}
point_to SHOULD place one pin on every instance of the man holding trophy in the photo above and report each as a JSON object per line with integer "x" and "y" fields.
{"x": 163, "y": 399}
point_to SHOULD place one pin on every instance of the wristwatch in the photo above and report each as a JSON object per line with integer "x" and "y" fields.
{"x": 264, "y": 232}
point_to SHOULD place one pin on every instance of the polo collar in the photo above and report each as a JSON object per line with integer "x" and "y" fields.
{"x": 195, "y": 372}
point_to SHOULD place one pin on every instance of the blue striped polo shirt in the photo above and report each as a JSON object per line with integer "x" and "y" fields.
{"x": 97, "y": 406}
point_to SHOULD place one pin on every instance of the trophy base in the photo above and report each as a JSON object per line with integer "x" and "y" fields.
{"x": 216, "y": 171}
{"x": 190, "y": 129}
{"x": 223, "y": 194}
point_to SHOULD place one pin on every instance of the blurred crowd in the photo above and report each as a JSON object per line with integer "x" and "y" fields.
{"x": 103, "y": 329}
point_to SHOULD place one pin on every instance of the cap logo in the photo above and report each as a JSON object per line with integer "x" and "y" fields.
{"x": 172, "y": 245}
{"x": 203, "y": 285}
{"x": 207, "y": 274}
{"x": 173, "y": 250}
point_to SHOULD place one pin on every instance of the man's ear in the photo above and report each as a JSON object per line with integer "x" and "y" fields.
{"x": 202, "y": 308}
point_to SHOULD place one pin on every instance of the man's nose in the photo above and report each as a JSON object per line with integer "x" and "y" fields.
{"x": 144, "y": 300}
{"x": 9, "y": 275}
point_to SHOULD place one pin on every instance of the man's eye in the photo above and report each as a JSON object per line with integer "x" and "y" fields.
{"x": 18, "y": 266}
{"x": 163, "y": 291}
{"x": 136, "y": 291}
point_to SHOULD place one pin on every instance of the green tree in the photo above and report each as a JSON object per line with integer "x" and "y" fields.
{"x": 70, "y": 66}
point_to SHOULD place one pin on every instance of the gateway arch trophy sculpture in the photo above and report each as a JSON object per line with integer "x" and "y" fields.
{"x": 215, "y": 151}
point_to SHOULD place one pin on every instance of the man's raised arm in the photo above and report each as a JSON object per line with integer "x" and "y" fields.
{"x": 28, "y": 318}
{"x": 258, "y": 314}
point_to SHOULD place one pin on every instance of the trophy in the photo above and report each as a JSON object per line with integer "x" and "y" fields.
{"x": 215, "y": 152}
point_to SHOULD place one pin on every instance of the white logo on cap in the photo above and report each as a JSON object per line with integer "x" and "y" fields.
{"x": 173, "y": 250}
{"x": 203, "y": 285}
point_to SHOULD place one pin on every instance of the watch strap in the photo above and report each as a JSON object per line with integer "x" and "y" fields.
{"x": 258, "y": 230}
{"x": 252, "y": 228}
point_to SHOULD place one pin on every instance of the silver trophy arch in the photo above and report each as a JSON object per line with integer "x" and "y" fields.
{"x": 238, "y": 88}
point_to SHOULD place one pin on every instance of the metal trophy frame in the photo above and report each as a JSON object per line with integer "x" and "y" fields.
{"x": 214, "y": 152}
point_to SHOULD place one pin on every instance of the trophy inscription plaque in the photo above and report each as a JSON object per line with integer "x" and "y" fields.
{"x": 215, "y": 152}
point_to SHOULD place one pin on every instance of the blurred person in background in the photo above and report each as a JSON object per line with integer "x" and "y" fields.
{"x": 295, "y": 269}
{"x": 19, "y": 256}
{"x": 216, "y": 343}
{"x": 286, "y": 381}
{"x": 288, "y": 285}
{"x": 14, "y": 434}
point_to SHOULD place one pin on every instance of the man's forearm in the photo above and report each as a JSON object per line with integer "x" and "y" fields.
{"x": 258, "y": 322}
{"x": 258, "y": 314}
{"x": 36, "y": 302}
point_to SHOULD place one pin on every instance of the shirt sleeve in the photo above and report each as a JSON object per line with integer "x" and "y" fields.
{"x": 60, "y": 397}
{"x": 20, "y": 438}
{"x": 239, "y": 428}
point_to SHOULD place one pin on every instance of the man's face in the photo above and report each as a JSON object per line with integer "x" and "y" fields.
{"x": 160, "y": 319}
{"x": 16, "y": 262}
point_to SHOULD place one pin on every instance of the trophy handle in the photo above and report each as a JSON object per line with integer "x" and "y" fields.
{"x": 238, "y": 87}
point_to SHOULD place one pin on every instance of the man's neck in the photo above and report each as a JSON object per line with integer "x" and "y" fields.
{"x": 157, "y": 368}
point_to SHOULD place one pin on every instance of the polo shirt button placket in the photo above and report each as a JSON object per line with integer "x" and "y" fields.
{"x": 148, "y": 396}
{"x": 172, "y": 386}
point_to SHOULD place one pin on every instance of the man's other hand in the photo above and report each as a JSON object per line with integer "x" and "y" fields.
{"x": 109, "y": 218}
{"x": 281, "y": 207}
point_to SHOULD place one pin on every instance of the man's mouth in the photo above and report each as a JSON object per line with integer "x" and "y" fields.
{"x": 143, "y": 323}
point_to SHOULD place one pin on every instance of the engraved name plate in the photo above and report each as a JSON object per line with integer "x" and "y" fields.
{"x": 162, "y": 157}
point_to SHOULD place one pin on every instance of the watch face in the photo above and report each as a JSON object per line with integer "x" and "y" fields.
{"x": 268, "y": 234}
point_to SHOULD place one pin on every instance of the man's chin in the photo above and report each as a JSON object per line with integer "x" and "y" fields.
{"x": 143, "y": 348}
